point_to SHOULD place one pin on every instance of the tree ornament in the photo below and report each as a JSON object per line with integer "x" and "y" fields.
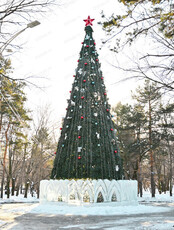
{"x": 81, "y": 42}
{"x": 115, "y": 151}
{"x": 117, "y": 168}
{"x": 74, "y": 96}
{"x": 60, "y": 128}
{"x": 94, "y": 43}
{"x": 79, "y": 149}
{"x": 87, "y": 46}
{"x": 96, "y": 103}
{"x": 85, "y": 63}
{"x": 82, "y": 117}
{"x": 105, "y": 94}
{"x": 88, "y": 21}
{"x": 98, "y": 135}
{"x": 74, "y": 75}
{"x": 98, "y": 144}
{"x": 79, "y": 157}
{"x": 96, "y": 59}
{"x": 80, "y": 71}
{"x": 54, "y": 152}
{"x": 84, "y": 80}
{"x": 77, "y": 60}
{"x": 63, "y": 145}
{"x": 67, "y": 126}
{"x": 111, "y": 129}
{"x": 82, "y": 97}
{"x": 79, "y": 137}
{"x": 96, "y": 123}
{"x": 69, "y": 91}
{"x": 107, "y": 110}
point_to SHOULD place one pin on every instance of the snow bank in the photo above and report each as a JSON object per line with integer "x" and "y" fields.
{"x": 164, "y": 197}
{"x": 92, "y": 191}
{"x": 19, "y": 199}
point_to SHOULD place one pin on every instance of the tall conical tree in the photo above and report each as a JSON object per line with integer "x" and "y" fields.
{"x": 87, "y": 147}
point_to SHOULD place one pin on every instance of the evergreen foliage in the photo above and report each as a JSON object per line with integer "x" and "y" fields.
{"x": 87, "y": 147}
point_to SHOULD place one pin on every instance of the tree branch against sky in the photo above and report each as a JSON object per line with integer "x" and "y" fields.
{"x": 15, "y": 17}
{"x": 152, "y": 21}
{"x": 17, "y": 13}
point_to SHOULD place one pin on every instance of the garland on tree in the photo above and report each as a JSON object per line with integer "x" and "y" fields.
{"x": 87, "y": 147}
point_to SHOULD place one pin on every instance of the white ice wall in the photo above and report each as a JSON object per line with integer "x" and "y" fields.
{"x": 54, "y": 190}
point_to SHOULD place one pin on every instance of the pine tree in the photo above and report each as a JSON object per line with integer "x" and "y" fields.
{"x": 87, "y": 147}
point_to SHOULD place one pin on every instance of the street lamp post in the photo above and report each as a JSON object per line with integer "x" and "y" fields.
{"x": 29, "y": 25}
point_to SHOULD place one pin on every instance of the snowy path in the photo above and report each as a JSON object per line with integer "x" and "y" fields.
{"x": 156, "y": 216}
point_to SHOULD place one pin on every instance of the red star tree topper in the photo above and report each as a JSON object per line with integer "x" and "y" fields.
{"x": 88, "y": 21}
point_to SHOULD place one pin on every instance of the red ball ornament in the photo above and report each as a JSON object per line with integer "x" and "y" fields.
{"x": 111, "y": 129}
{"x": 79, "y": 137}
{"x": 66, "y": 108}
{"x": 54, "y": 152}
{"x": 79, "y": 157}
{"x": 74, "y": 75}
{"x": 115, "y": 151}
{"x": 81, "y": 42}
{"x": 107, "y": 110}
{"x": 77, "y": 60}
{"x": 87, "y": 46}
{"x": 86, "y": 63}
{"x": 82, "y": 117}
{"x": 84, "y": 80}
{"x": 105, "y": 94}
{"x": 60, "y": 128}
{"x": 102, "y": 78}
{"x": 94, "y": 43}
{"x": 82, "y": 97}
{"x": 96, "y": 59}
{"x": 70, "y": 91}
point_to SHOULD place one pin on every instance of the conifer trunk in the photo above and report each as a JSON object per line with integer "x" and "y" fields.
{"x": 26, "y": 189}
{"x": 4, "y": 160}
{"x": 151, "y": 151}
{"x": 13, "y": 186}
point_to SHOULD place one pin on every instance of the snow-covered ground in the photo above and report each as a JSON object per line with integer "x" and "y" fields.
{"x": 158, "y": 197}
{"x": 114, "y": 208}
{"x": 150, "y": 213}
{"x": 19, "y": 199}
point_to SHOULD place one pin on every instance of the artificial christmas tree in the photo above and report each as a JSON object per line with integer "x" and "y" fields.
{"x": 87, "y": 166}
{"x": 87, "y": 147}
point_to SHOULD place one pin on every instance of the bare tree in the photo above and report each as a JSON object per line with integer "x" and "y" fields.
{"x": 38, "y": 164}
{"x": 15, "y": 13}
{"x": 151, "y": 21}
